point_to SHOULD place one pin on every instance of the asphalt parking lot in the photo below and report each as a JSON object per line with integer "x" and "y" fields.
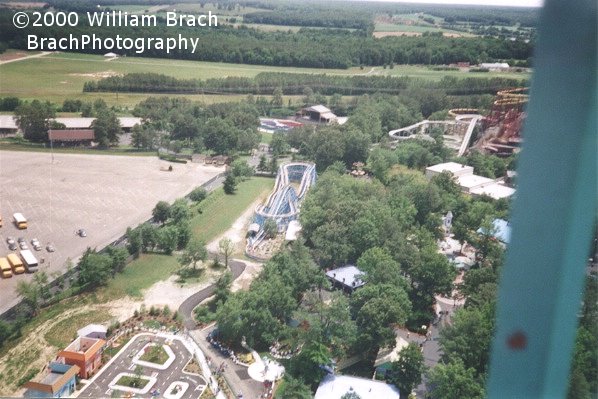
{"x": 102, "y": 194}
{"x": 99, "y": 387}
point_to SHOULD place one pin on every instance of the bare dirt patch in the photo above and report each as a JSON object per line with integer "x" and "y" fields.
{"x": 252, "y": 269}
{"x": 173, "y": 294}
{"x": 98, "y": 75}
{"x": 14, "y": 55}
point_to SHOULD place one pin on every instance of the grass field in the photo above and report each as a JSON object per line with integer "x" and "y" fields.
{"x": 430, "y": 74}
{"x": 219, "y": 211}
{"x": 138, "y": 275}
{"x": 59, "y": 76}
{"x": 389, "y": 27}
{"x": 56, "y": 77}
{"x": 207, "y": 225}
{"x": 62, "y": 333}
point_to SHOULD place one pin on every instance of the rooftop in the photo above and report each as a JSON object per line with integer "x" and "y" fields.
{"x": 496, "y": 191}
{"x": 502, "y": 230}
{"x": 71, "y": 134}
{"x": 83, "y": 345}
{"x": 335, "y": 386}
{"x": 57, "y": 377}
{"x": 7, "y": 122}
{"x": 472, "y": 181}
{"x": 318, "y": 108}
{"x": 452, "y": 167}
{"x": 347, "y": 275}
{"x": 91, "y": 328}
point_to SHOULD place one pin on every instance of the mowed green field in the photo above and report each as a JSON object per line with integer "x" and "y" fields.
{"x": 58, "y": 76}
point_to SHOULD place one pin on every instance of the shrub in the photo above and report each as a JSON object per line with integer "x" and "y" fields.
{"x": 198, "y": 194}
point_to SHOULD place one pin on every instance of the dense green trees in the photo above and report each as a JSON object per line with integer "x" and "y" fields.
{"x": 315, "y": 48}
{"x": 161, "y": 212}
{"x": 34, "y": 119}
{"x": 95, "y": 269}
{"x": 377, "y": 308}
{"x": 194, "y": 252}
{"x": 429, "y": 95}
{"x": 230, "y": 184}
{"x": 220, "y": 128}
{"x": 454, "y": 380}
{"x": 406, "y": 373}
{"x": 145, "y": 137}
{"x": 261, "y": 313}
{"x": 106, "y": 127}
{"x": 584, "y": 369}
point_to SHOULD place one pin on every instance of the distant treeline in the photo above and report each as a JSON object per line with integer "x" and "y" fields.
{"x": 266, "y": 83}
{"x": 341, "y": 15}
{"x": 327, "y": 18}
{"x": 313, "y": 48}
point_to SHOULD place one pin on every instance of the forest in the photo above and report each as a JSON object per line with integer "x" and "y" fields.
{"x": 315, "y": 48}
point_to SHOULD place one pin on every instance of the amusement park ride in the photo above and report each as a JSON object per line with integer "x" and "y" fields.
{"x": 502, "y": 126}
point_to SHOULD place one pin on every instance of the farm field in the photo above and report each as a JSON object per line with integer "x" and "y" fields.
{"x": 390, "y": 27}
{"x": 428, "y": 73}
{"x": 58, "y": 76}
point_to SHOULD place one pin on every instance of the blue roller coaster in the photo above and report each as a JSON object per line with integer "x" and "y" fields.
{"x": 283, "y": 203}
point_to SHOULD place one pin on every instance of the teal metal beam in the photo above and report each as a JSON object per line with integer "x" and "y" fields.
{"x": 553, "y": 213}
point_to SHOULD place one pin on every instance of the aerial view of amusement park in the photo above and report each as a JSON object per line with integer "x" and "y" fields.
{"x": 261, "y": 199}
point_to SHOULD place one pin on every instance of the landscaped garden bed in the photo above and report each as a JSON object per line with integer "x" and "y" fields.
{"x": 155, "y": 354}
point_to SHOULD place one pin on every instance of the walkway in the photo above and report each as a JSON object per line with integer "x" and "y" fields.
{"x": 186, "y": 309}
{"x": 26, "y": 57}
{"x": 235, "y": 374}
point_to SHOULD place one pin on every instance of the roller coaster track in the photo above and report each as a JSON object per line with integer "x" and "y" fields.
{"x": 418, "y": 130}
{"x": 282, "y": 205}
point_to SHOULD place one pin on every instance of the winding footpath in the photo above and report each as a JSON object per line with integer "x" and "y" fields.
{"x": 186, "y": 309}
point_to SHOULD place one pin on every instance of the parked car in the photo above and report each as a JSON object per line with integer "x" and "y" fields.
{"x": 23, "y": 245}
{"x": 36, "y": 245}
{"x": 12, "y": 244}
{"x": 50, "y": 247}
{"x": 81, "y": 233}
{"x": 21, "y": 239}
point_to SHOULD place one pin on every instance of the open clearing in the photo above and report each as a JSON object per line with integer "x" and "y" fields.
{"x": 103, "y": 194}
{"x": 58, "y": 76}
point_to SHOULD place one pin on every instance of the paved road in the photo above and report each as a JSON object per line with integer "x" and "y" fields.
{"x": 431, "y": 348}
{"x": 123, "y": 364}
{"x": 236, "y": 375}
{"x": 186, "y": 308}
